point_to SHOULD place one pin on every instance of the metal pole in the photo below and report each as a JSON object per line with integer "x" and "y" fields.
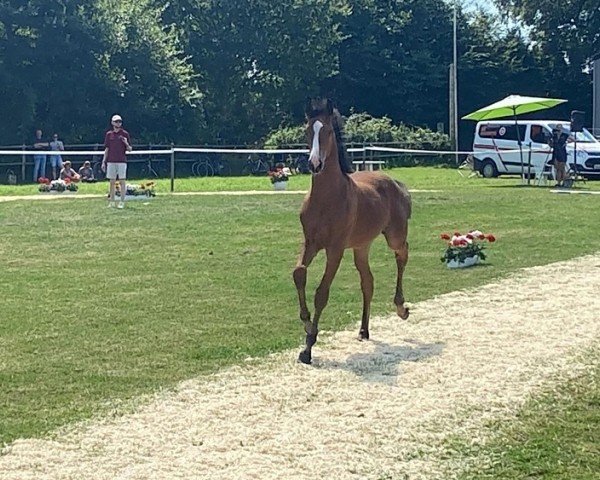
{"x": 529, "y": 166}
{"x": 455, "y": 84}
{"x": 172, "y": 168}
{"x": 451, "y": 106}
{"x": 23, "y": 161}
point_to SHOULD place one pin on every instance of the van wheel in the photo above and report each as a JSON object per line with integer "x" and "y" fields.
{"x": 488, "y": 169}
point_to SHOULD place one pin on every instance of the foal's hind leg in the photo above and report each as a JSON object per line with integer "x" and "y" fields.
{"x": 399, "y": 245}
{"x": 361, "y": 260}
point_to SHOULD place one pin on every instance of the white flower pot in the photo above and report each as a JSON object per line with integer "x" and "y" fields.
{"x": 468, "y": 262}
{"x": 280, "y": 185}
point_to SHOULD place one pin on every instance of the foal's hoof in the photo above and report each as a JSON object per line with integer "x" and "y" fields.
{"x": 403, "y": 312}
{"x": 305, "y": 357}
{"x": 363, "y": 335}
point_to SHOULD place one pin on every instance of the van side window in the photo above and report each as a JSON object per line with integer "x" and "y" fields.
{"x": 538, "y": 134}
{"x": 501, "y": 132}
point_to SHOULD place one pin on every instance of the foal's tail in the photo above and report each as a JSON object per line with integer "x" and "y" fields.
{"x": 406, "y": 198}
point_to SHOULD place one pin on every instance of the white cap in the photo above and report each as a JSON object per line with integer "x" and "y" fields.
{"x": 115, "y": 118}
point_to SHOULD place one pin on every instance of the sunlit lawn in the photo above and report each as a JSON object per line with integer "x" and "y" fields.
{"x": 100, "y": 306}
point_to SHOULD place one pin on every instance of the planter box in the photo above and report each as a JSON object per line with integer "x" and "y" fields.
{"x": 468, "y": 262}
{"x": 56, "y": 192}
{"x": 132, "y": 198}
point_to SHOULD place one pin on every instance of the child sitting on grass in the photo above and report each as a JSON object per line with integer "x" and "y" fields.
{"x": 86, "y": 173}
{"x": 68, "y": 172}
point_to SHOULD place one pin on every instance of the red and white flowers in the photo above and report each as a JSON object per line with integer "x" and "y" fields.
{"x": 463, "y": 246}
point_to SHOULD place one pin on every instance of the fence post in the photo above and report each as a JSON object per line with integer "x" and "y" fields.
{"x": 23, "y": 161}
{"x": 364, "y": 155}
{"x": 172, "y": 167}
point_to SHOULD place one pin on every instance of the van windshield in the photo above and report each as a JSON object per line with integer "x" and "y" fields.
{"x": 583, "y": 136}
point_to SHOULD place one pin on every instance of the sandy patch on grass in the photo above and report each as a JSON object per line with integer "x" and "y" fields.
{"x": 371, "y": 410}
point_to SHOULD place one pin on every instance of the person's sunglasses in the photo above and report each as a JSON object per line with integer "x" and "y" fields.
{"x": 118, "y": 121}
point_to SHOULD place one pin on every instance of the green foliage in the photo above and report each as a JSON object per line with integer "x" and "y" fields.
{"x": 68, "y": 66}
{"x": 259, "y": 59}
{"x": 286, "y": 136}
{"x": 362, "y": 128}
{"x": 194, "y": 71}
{"x": 564, "y": 36}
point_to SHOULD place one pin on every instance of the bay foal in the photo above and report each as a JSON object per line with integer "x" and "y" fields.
{"x": 345, "y": 211}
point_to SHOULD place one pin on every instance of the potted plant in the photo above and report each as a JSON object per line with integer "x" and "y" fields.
{"x": 46, "y": 185}
{"x": 280, "y": 176}
{"x": 137, "y": 191}
{"x": 465, "y": 250}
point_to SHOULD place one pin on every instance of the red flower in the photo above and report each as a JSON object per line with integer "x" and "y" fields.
{"x": 491, "y": 238}
{"x": 457, "y": 234}
{"x": 481, "y": 237}
{"x": 445, "y": 236}
{"x": 469, "y": 236}
{"x": 67, "y": 180}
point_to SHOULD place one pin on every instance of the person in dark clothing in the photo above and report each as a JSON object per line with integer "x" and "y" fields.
{"x": 558, "y": 142}
{"x": 39, "y": 161}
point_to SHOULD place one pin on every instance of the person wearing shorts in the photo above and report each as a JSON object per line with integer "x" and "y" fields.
{"x": 56, "y": 162}
{"x": 116, "y": 145}
{"x": 558, "y": 142}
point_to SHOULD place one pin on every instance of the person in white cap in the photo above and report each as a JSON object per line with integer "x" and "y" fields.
{"x": 116, "y": 145}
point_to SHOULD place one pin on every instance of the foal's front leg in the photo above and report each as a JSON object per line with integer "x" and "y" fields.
{"x": 334, "y": 257}
{"x": 307, "y": 255}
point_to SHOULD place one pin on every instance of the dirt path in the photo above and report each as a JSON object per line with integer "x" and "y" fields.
{"x": 364, "y": 411}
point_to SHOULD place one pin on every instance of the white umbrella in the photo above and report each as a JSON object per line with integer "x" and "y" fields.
{"x": 512, "y": 106}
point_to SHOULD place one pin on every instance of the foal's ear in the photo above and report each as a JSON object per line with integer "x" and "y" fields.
{"x": 329, "y": 107}
{"x": 308, "y": 107}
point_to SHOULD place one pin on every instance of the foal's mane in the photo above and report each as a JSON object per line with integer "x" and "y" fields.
{"x": 319, "y": 107}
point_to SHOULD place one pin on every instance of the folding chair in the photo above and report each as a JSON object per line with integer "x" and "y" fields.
{"x": 468, "y": 164}
{"x": 543, "y": 173}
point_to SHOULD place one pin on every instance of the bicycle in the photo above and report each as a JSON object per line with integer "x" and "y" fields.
{"x": 256, "y": 166}
{"x": 148, "y": 170}
{"x": 203, "y": 168}
{"x": 222, "y": 168}
{"x": 300, "y": 164}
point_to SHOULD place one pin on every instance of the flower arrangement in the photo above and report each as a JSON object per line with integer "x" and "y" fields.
{"x": 280, "y": 174}
{"x": 47, "y": 185}
{"x": 135, "y": 190}
{"x": 463, "y": 246}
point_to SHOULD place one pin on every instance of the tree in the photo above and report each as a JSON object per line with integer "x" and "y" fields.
{"x": 564, "y": 35}
{"x": 394, "y": 59}
{"x": 259, "y": 59}
{"x": 67, "y": 66}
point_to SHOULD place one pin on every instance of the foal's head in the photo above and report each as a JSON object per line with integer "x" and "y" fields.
{"x": 324, "y": 131}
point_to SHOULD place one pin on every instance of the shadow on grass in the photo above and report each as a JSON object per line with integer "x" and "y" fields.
{"x": 383, "y": 364}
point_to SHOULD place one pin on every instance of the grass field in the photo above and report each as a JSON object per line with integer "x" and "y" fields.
{"x": 555, "y": 436}
{"x": 100, "y": 306}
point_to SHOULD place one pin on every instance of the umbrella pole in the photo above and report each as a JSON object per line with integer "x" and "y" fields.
{"x": 520, "y": 146}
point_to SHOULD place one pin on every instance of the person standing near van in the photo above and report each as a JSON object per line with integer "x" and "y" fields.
{"x": 558, "y": 142}
{"x": 116, "y": 145}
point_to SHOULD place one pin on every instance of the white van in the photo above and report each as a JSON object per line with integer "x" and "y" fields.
{"x": 496, "y": 148}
